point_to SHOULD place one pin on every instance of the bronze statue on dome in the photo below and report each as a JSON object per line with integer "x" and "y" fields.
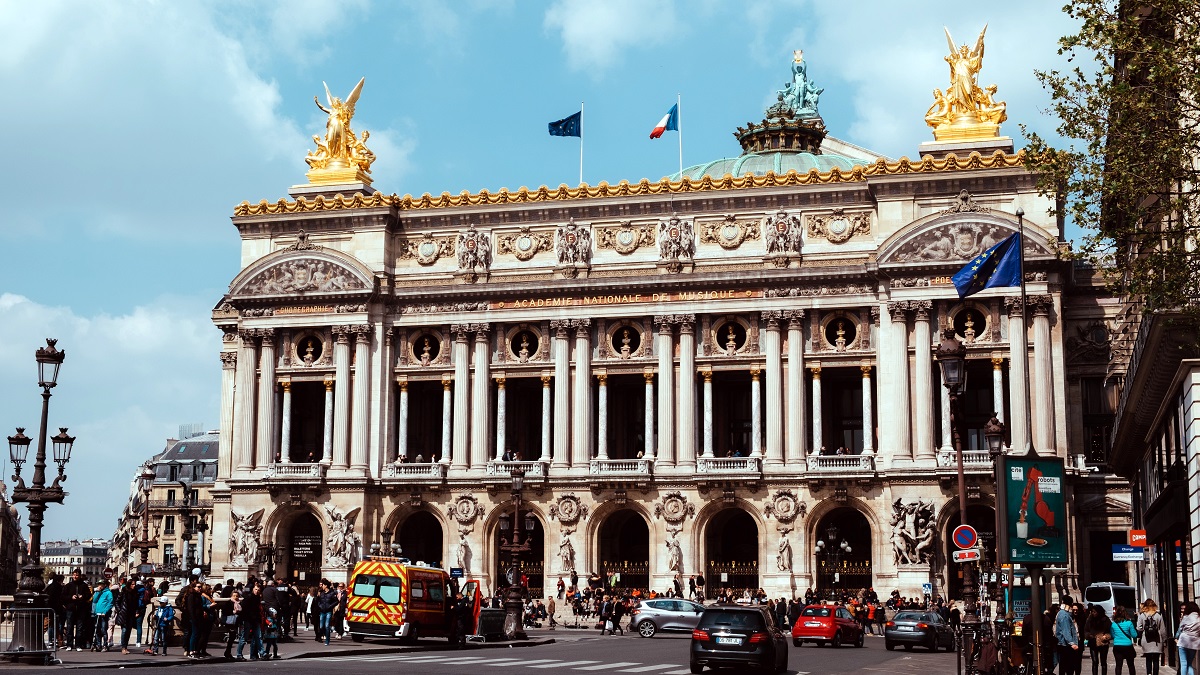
{"x": 798, "y": 98}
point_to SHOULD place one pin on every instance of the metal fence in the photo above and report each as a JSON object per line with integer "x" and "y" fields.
{"x": 28, "y": 633}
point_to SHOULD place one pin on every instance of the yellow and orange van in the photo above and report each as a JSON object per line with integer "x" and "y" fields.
{"x": 392, "y": 598}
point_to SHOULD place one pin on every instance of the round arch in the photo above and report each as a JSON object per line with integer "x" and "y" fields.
{"x": 730, "y": 552}
{"x": 299, "y": 534}
{"x": 421, "y": 533}
{"x": 533, "y": 564}
{"x": 847, "y": 561}
{"x": 596, "y": 519}
{"x": 622, "y": 547}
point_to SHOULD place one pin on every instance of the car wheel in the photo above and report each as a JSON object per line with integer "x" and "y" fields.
{"x": 696, "y": 667}
{"x": 950, "y": 644}
{"x": 647, "y": 629}
{"x": 783, "y": 666}
{"x": 862, "y": 639}
{"x": 797, "y": 643}
{"x": 354, "y": 637}
{"x": 888, "y": 646}
{"x": 819, "y": 643}
{"x": 837, "y": 640}
{"x": 908, "y": 648}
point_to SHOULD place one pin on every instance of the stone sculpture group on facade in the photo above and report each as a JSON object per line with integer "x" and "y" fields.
{"x": 243, "y": 541}
{"x": 344, "y": 542}
{"x": 912, "y": 532}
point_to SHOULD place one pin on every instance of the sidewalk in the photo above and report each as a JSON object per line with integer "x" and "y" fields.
{"x": 302, "y": 647}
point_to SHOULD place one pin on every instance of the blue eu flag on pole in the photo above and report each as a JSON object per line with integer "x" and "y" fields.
{"x": 568, "y": 126}
{"x": 998, "y": 266}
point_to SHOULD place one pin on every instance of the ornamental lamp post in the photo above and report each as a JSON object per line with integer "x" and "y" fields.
{"x": 266, "y": 553}
{"x": 952, "y": 358}
{"x": 27, "y": 630}
{"x": 514, "y": 602}
{"x": 993, "y": 431}
{"x": 145, "y": 483}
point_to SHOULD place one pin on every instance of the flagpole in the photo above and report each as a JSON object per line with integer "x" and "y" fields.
{"x": 581, "y": 142}
{"x": 679, "y": 131}
{"x": 1030, "y": 451}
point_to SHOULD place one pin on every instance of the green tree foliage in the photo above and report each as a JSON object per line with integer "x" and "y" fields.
{"x": 1129, "y": 106}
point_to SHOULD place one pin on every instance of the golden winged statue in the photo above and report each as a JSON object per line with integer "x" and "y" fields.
{"x": 341, "y": 156}
{"x": 964, "y": 110}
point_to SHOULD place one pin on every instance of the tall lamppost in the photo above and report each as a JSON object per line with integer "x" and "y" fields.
{"x": 514, "y": 602}
{"x": 833, "y": 550}
{"x": 952, "y": 357}
{"x": 993, "y": 431}
{"x": 38, "y": 495}
{"x": 145, "y": 482}
{"x": 266, "y": 552}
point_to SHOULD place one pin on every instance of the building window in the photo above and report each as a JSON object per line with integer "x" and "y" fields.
{"x": 174, "y": 472}
{"x": 1097, "y": 420}
{"x": 169, "y": 525}
{"x": 170, "y": 498}
{"x": 168, "y": 553}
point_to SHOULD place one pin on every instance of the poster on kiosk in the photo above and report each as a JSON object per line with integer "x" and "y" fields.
{"x": 1036, "y": 519}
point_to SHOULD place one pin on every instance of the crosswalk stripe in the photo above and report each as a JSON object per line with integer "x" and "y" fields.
{"x": 563, "y": 665}
{"x": 606, "y": 666}
{"x": 646, "y": 669}
{"x": 526, "y": 663}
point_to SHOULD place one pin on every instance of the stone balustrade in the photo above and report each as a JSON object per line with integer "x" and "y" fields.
{"x": 841, "y": 463}
{"x": 972, "y": 459}
{"x": 294, "y": 472}
{"x": 729, "y": 465}
{"x": 626, "y": 467}
{"x": 532, "y": 469}
{"x": 415, "y": 471}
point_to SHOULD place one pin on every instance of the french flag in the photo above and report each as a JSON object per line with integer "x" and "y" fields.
{"x": 669, "y": 122}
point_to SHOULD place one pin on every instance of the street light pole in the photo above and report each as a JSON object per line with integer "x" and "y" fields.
{"x": 514, "y": 602}
{"x": 146, "y": 482}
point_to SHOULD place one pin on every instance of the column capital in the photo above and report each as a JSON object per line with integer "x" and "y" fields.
{"x": 794, "y": 317}
{"x": 687, "y": 322}
{"x": 921, "y": 307}
{"x": 755, "y": 373}
{"x": 328, "y": 383}
{"x": 247, "y": 336}
{"x": 1014, "y": 306}
{"x": 362, "y": 333}
{"x": 500, "y": 380}
{"x": 1041, "y": 304}
{"x": 866, "y": 371}
{"x": 997, "y": 362}
{"x": 772, "y": 318}
{"x": 286, "y": 386}
{"x": 560, "y": 327}
{"x": 648, "y": 374}
{"x": 228, "y": 360}
{"x": 403, "y": 384}
{"x": 875, "y": 315}
{"x": 582, "y": 327}
{"x": 816, "y": 371}
{"x": 663, "y": 322}
{"x": 481, "y": 331}
{"x": 447, "y": 379}
{"x": 898, "y": 309}
{"x": 546, "y": 378}
{"x": 707, "y": 375}
{"x": 460, "y": 331}
{"x": 602, "y": 379}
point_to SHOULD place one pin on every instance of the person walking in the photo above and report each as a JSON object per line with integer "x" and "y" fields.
{"x": 1124, "y": 635}
{"x": 618, "y": 613}
{"x": 77, "y": 599}
{"x": 1066, "y": 633}
{"x": 252, "y": 618}
{"x": 339, "y": 613}
{"x": 1187, "y": 637}
{"x": 551, "y": 608}
{"x": 128, "y": 601}
{"x": 326, "y": 603}
{"x": 1151, "y": 629}
{"x": 233, "y": 623}
{"x": 102, "y": 604}
{"x": 1097, "y": 631}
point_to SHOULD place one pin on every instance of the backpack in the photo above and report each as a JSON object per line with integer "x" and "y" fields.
{"x": 166, "y": 615}
{"x": 1150, "y": 629}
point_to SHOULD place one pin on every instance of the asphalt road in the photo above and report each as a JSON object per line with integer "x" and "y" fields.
{"x": 581, "y": 653}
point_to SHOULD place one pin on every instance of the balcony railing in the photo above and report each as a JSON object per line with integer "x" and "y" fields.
{"x": 841, "y": 463}
{"x": 532, "y": 469}
{"x": 728, "y": 465}
{"x": 972, "y": 459}
{"x": 293, "y": 472}
{"x": 625, "y": 467}
{"x": 178, "y": 503}
{"x": 415, "y": 471}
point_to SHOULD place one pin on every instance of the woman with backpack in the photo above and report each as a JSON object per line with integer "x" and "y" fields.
{"x": 1124, "y": 635}
{"x": 1151, "y": 629}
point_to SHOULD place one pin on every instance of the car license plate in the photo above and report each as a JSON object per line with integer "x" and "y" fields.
{"x": 729, "y": 641}
{"x": 812, "y": 624}
{"x": 358, "y": 613}
{"x": 904, "y": 629}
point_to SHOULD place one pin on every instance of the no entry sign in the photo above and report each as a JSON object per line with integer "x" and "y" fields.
{"x": 965, "y": 536}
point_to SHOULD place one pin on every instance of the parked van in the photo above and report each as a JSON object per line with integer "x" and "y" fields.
{"x": 1108, "y": 594}
{"x": 392, "y": 598}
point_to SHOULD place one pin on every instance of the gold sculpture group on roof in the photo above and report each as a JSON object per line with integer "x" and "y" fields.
{"x": 341, "y": 157}
{"x": 965, "y": 111}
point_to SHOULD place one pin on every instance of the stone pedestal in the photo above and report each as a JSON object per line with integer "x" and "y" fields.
{"x": 984, "y": 146}
{"x": 909, "y": 579}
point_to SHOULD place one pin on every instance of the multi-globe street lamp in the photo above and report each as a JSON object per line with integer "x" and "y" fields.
{"x": 146, "y": 542}
{"x": 514, "y": 602}
{"x": 833, "y": 550}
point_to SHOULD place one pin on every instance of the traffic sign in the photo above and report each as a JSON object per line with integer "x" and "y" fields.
{"x": 927, "y": 588}
{"x": 965, "y": 536}
{"x": 967, "y": 555}
{"x": 108, "y": 573}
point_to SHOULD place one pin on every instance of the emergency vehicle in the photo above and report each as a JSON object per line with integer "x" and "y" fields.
{"x": 393, "y": 598}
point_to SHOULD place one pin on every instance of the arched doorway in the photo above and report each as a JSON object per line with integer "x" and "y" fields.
{"x": 843, "y": 553}
{"x": 731, "y": 548}
{"x": 530, "y": 561}
{"x": 303, "y": 545}
{"x": 625, "y": 550}
{"x": 983, "y": 519}
{"x": 421, "y": 539}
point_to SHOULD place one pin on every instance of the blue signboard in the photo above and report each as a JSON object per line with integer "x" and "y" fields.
{"x": 456, "y": 572}
{"x": 1124, "y": 553}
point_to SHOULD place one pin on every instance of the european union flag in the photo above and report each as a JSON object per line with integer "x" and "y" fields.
{"x": 998, "y": 266}
{"x": 568, "y": 126}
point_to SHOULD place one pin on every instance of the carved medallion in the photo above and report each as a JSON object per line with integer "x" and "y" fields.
{"x": 784, "y": 507}
{"x": 626, "y": 238}
{"x": 428, "y": 249}
{"x": 465, "y": 509}
{"x": 524, "y": 245}
{"x": 728, "y": 233}
{"x": 838, "y": 226}
{"x": 674, "y": 508}
{"x": 568, "y": 509}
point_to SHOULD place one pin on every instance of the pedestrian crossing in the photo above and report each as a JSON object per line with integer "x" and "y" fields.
{"x": 484, "y": 663}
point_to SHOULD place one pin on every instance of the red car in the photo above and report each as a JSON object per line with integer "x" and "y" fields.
{"x": 827, "y": 624}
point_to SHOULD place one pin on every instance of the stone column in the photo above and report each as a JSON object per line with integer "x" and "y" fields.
{"x": 902, "y": 448}
{"x": 708, "y": 412}
{"x": 947, "y": 437}
{"x": 998, "y": 387}
{"x": 447, "y": 420}
{"x": 245, "y": 363}
{"x": 228, "y": 395}
{"x": 755, "y": 412}
{"x": 359, "y": 408}
{"x": 266, "y": 399}
{"x": 772, "y": 346}
{"x": 285, "y": 425}
{"x": 460, "y": 355}
{"x": 797, "y": 436}
{"x": 602, "y": 416}
{"x": 327, "y": 440}
{"x": 1043, "y": 375}
{"x": 648, "y": 453}
{"x": 402, "y": 423}
{"x": 581, "y": 406}
{"x": 924, "y": 442}
{"x": 480, "y": 393}
{"x": 545, "y": 417}
{"x": 1018, "y": 355}
{"x": 818, "y": 431}
{"x": 686, "y": 456}
{"x": 562, "y": 394}
{"x": 666, "y": 391}
{"x": 341, "y": 397}
{"x": 501, "y": 417}
{"x": 868, "y": 412}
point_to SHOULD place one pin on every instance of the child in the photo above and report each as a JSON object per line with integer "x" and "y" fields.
{"x": 271, "y": 634}
{"x": 164, "y": 618}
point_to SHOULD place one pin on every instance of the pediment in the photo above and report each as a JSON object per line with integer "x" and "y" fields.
{"x": 304, "y": 273}
{"x": 957, "y": 238}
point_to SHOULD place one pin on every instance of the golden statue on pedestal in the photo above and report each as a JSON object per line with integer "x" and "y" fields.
{"x": 965, "y": 111}
{"x": 341, "y": 157}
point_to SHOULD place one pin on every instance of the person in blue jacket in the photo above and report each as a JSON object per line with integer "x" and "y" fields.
{"x": 102, "y": 604}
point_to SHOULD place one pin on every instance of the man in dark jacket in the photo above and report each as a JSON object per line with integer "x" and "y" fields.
{"x": 77, "y": 599}
{"x": 54, "y": 595}
{"x": 252, "y": 614}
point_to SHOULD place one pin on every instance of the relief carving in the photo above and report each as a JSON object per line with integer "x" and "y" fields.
{"x": 838, "y": 226}
{"x": 524, "y": 245}
{"x": 428, "y": 249}
{"x": 625, "y": 238}
{"x": 729, "y": 233}
{"x": 303, "y": 275}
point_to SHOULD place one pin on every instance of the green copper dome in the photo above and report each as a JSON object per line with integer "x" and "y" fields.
{"x": 779, "y": 162}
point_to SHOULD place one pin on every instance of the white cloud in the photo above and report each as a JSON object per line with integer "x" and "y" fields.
{"x": 593, "y": 33}
{"x": 127, "y": 382}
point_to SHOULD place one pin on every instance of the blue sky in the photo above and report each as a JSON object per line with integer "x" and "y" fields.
{"x": 134, "y": 127}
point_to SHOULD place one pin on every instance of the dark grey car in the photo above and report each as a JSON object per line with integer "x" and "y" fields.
{"x": 670, "y": 614}
{"x": 746, "y": 638}
{"x": 923, "y": 629}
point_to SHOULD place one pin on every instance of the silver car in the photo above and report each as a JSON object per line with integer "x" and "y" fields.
{"x": 651, "y": 616}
